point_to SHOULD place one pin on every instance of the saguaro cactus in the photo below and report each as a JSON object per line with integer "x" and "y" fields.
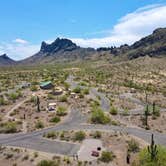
{"x": 146, "y": 115}
{"x": 152, "y": 149}
{"x": 38, "y": 104}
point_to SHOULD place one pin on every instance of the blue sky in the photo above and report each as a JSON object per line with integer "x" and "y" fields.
{"x": 94, "y": 23}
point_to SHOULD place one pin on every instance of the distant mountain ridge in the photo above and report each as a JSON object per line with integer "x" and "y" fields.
{"x": 153, "y": 45}
{"x": 5, "y": 60}
{"x": 60, "y": 50}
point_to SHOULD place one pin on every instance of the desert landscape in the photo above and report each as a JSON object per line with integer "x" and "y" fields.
{"x": 69, "y": 104}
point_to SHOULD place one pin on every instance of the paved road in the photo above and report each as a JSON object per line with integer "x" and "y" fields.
{"x": 75, "y": 121}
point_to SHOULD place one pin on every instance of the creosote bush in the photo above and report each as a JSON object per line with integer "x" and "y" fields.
{"x": 113, "y": 111}
{"x": 99, "y": 117}
{"x": 79, "y": 136}
{"x": 61, "y": 111}
{"x": 106, "y": 157}
{"x": 133, "y": 146}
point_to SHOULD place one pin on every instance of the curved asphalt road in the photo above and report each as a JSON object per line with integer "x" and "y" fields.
{"x": 75, "y": 121}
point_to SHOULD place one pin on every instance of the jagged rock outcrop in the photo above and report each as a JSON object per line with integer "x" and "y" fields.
{"x": 59, "y": 50}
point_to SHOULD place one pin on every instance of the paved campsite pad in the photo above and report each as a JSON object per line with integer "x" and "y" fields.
{"x": 87, "y": 147}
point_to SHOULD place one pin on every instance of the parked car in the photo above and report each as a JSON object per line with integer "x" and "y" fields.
{"x": 95, "y": 154}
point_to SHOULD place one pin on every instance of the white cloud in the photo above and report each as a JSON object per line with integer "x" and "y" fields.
{"x": 20, "y": 41}
{"x": 18, "y": 51}
{"x": 130, "y": 28}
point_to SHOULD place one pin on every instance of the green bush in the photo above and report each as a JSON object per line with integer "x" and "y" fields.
{"x": 61, "y": 111}
{"x": 39, "y": 125}
{"x": 14, "y": 96}
{"x": 48, "y": 163}
{"x": 83, "y": 83}
{"x": 85, "y": 91}
{"x": 33, "y": 88}
{"x": 125, "y": 112}
{"x": 50, "y": 96}
{"x": 55, "y": 119}
{"x": 106, "y": 157}
{"x": 133, "y": 146}
{"x": 99, "y": 117}
{"x": 66, "y": 85}
{"x": 97, "y": 134}
{"x": 113, "y": 111}
{"x": 79, "y": 136}
{"x": 77, "y": 90}
{"x": 2, "y": 100}
{"x": 144, "y": 158}
{"x": 32, "y": 99}
{"x": 94, "y": 103}
{"x": 63, "y": 98}
{"x": 51, "y": 134}
{"x": 8, "y": 127}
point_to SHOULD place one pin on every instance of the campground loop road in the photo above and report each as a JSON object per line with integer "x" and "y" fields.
{"x": 75, "y": 121}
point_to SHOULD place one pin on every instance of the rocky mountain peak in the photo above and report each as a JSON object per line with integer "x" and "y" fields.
{"x": 4, "y": 56}
{"x": 58, "y": 45}
{"x": 5, "y": 60}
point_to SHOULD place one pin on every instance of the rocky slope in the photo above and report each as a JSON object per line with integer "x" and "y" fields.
{"x": 59, "y": 50}
{"x": 153, "y": 45}
{"x": 5, "y": 60}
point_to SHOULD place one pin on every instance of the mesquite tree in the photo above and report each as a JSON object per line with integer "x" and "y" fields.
{"x": 152, "y": 149}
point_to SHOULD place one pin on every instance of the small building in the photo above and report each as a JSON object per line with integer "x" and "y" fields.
{"x": 46, "y": 85}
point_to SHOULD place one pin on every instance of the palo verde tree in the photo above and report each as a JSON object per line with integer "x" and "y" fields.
{"x": 152, "y": 149}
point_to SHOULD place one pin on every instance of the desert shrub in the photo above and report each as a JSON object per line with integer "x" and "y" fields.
{"x": 77, "y": 90}
{"x": 8, "y": 127}
{"x": 79, "y": 136}
{"x": 2, "y": 100}
{"x": 14, "y": 96}
{"x": 51, "y": 134}
{"x": 94, "y": 104}
{"x": 144, "y": 158}
{"x": 61, "y": 111}
{"x": 26, "y": 157}
{"x": 55, "y": 119}
{"x": 33, "y": 88}
{"x": 113, "y": 111}
{"x": 106, "y": 156}
{"x": 32, "y": 99}
{"x": 156, "y": 112}
{"x": 99, "y": 117}
{"x": 63, "y": 98}
{"x": 39, "y": 125}
{"x": 50, "y": 96}
{"x": 9, "y": 156}
{"x": 66, "y": 85}
{"x": 35, "y": 154}
{"x": 125, "y": 112}
{"x": 97, "y": 134}
{"x": 48, "y": 163}
{"x": 83, "y": 83}
{"x": 133, "y": 146}
{"x": 85, "y": 91}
